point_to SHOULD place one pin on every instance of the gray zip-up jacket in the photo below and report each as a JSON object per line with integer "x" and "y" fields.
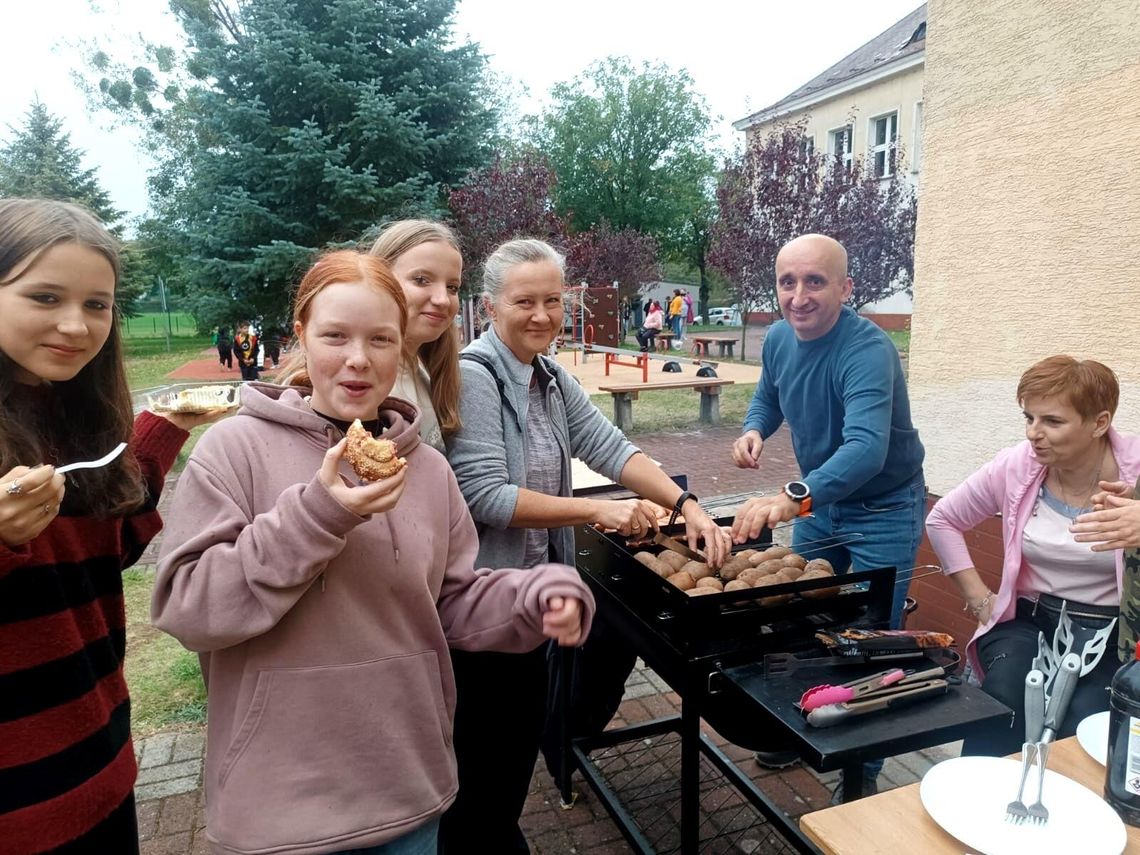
{"x": 489, "y": 455}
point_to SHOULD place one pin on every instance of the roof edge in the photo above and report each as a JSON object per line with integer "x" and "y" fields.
{"x": 874, "y": 75}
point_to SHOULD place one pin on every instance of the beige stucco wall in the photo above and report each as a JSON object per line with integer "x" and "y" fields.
{"x": 897, "y": 93}
{"x": 1028, "y": 239}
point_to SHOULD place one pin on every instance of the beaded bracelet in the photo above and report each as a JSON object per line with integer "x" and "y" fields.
{"x": 977, "y": 610}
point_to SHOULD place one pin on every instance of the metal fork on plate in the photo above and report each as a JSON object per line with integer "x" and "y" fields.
{"x": 1016, "y": 811}
{"x": 1039, "y": 733}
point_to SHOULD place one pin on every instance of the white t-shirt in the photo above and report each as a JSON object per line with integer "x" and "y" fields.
{"x": 417, "y": 389}
{"x": 1058, "y": 565}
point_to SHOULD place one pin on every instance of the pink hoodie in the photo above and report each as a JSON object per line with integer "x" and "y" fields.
{"x": 1008, "y": 485}
{"x": 324, "y": 635}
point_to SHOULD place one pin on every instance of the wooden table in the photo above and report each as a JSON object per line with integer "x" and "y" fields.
{"x": 896, "y": 821}
{"x": 724, "y": 344}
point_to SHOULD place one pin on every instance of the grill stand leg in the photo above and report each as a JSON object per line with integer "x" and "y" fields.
{"x": 566, "y": 767}
{"x": 852, "y": 782}
{"x": 690, "y": 778}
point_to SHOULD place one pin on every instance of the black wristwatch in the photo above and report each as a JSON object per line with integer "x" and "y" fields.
{"x": 684, "y": 497}
{"x": 797, "y": 491}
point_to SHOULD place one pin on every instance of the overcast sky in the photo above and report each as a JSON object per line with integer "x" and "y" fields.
{"x": 742, "y": 54}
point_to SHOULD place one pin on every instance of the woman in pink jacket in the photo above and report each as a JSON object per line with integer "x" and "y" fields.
{"x": 323, "y": 608}
{"x": 1039, "y": 486}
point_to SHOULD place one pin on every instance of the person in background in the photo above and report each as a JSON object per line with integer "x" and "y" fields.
{"x": 273, "y": 337}
{"x": 523, "y": 419}
{"x": 425, "y": 258}
{"x": 246, "y": 346}
{"x": 677, "y": 316}
{"x": 1039, "y": 486}
{"x": 323, "y": 607}
{"x": 688, "y": 310}
{"x": 654, "y": 321}
{"x": 67, "y": 765}
{"x": 225, "y": 345}
{"x": 837, "y": 380}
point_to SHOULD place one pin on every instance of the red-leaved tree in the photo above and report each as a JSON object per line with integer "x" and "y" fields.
{"x": 510, "y": 198}
{"x": 603, "y": 255}
{"x": 765, "y": 199}
{"x": 874, "y": 219}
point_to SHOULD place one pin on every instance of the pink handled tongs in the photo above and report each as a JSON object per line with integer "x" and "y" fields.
{"x": 897, "y": 695}
{"x": 876, "y": 684}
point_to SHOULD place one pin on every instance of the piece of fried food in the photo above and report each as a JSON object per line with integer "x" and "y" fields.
{"x": 371, "y": 458}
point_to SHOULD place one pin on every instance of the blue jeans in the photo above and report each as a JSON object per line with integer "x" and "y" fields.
{"x": 890, "y": 526}
{"x": 419, "y": 841}
{"x": 675, "y": 322}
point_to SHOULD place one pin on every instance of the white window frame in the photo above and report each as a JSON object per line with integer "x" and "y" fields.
{"x": 890, "y": 147}
{"x": 833, "y": 136}
{"x": 916, "y": 149}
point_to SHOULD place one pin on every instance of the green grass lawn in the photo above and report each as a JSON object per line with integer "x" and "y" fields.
{"x": 164, "y": 678}
{"x": 153, "y": 325}
{"x": 678, "y": 409}
{"x": 148, "y": 361}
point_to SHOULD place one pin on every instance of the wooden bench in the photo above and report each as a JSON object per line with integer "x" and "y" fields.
{"x": 724, "y": 343}
{"x": 625, "y": 394}
{"x": 663, "y": 339}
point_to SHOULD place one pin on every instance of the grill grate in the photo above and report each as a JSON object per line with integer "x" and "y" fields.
{"x": 646, "y": 776}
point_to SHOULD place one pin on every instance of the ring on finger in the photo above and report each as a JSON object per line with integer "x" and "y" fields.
{"x": 14, "y": 488}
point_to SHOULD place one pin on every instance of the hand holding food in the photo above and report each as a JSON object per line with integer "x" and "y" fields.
{"x": 29, "y": 501}
{"x": 369, "y": 457}
{"x": 375, "y": 497}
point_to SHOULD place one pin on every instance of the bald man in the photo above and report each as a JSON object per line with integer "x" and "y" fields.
{"x": 836, "y": 379}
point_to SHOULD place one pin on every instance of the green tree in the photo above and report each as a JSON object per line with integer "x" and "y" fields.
{"x": 40, "y": 162}
{"x": 288, "y": 125}
{"x": 631, "y": 147}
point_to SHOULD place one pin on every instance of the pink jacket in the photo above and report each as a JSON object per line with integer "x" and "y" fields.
{"x": 324, "y": 635}
{"x": 1007, "y": 485}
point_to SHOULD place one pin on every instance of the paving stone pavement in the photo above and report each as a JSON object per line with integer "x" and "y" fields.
{"x": 172, "y": 809}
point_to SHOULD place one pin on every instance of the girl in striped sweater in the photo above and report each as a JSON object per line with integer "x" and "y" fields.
{"x": 67, "y": 767}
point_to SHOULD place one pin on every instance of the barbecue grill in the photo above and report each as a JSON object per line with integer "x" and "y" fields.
{"x": 689, "y": 641}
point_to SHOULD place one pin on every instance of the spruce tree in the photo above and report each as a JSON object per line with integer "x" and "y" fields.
{"x": 39, "y": 161}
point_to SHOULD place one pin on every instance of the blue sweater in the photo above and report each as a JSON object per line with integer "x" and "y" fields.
{"x": 846, "y": 404}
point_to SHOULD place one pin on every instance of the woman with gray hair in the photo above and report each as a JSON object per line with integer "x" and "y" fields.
{"x": 523, "y": 418}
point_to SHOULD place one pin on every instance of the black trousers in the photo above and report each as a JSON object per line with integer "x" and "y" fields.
{"x": 645, "y": 338}
{"x": 226, "y": 356}
{"x": 499, "y": 717}
{"x": 118, "y": 833}
{"x": 248, "y": 372}
{"x": 1007, "y": 651}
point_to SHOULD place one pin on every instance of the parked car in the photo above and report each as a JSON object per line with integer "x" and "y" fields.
{"x": 722, "y": 316}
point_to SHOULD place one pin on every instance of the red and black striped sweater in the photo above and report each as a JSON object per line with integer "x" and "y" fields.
{"x": 66, "y": 758}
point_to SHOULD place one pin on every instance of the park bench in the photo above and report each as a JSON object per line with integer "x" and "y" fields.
{"x": 724, "y": 343}
{"x": 624, "y": 394}
{"x": 663, "y": 340}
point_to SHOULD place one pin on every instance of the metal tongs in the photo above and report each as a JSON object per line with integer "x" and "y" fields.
{"x": 830, "y": 705}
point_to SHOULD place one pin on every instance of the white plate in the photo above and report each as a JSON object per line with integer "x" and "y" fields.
{"x": 1092, "y": 733}
{"x": 967, "y": 797}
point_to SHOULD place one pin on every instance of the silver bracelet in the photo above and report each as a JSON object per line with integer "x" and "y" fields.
{"x": 977, "y": 610}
